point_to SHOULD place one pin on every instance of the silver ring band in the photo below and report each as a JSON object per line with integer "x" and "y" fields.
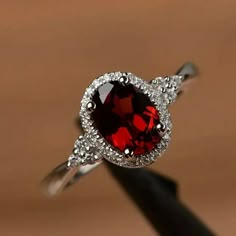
{"x": 62, "y": 177}
{"x": 66, "y": 175}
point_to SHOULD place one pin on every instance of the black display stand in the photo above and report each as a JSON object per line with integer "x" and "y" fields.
{"x": 157, "y": 198}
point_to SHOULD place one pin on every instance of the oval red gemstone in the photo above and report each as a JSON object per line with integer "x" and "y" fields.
{"x": 126, "y": 117}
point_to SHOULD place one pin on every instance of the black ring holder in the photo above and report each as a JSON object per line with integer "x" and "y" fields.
{"x": 156, "y": 196}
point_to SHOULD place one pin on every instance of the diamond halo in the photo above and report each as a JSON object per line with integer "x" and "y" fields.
{"x": 161, "y": 91}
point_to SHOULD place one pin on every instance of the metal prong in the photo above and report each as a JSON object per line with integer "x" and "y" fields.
{"x": 124, "y": 80}
{"x": 128, "y": 153}
{"x": 161, "y": 129}
{"x": 91, "y": 106}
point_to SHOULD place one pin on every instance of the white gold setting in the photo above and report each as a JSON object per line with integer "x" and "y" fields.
{"x": 92, "y": 147}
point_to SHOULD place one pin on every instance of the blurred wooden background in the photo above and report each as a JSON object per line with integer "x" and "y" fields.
{"x": 51, "y": 50}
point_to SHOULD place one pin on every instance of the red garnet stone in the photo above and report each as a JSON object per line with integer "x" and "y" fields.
{"x": 126, "y": 117}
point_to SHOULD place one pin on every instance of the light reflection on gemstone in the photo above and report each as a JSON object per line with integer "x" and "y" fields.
{"x": 126, "y": 117}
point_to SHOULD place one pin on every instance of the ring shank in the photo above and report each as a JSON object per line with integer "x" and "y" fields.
{"x": 62, "y": 177}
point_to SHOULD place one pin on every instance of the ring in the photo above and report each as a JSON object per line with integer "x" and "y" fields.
{"x": 124, "y": 120}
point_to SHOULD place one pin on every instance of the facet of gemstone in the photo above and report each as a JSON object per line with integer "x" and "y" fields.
{"x": 126, "y": 117}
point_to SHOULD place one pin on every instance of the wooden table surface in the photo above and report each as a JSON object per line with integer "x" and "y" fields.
{"x": 51, "y": 50}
